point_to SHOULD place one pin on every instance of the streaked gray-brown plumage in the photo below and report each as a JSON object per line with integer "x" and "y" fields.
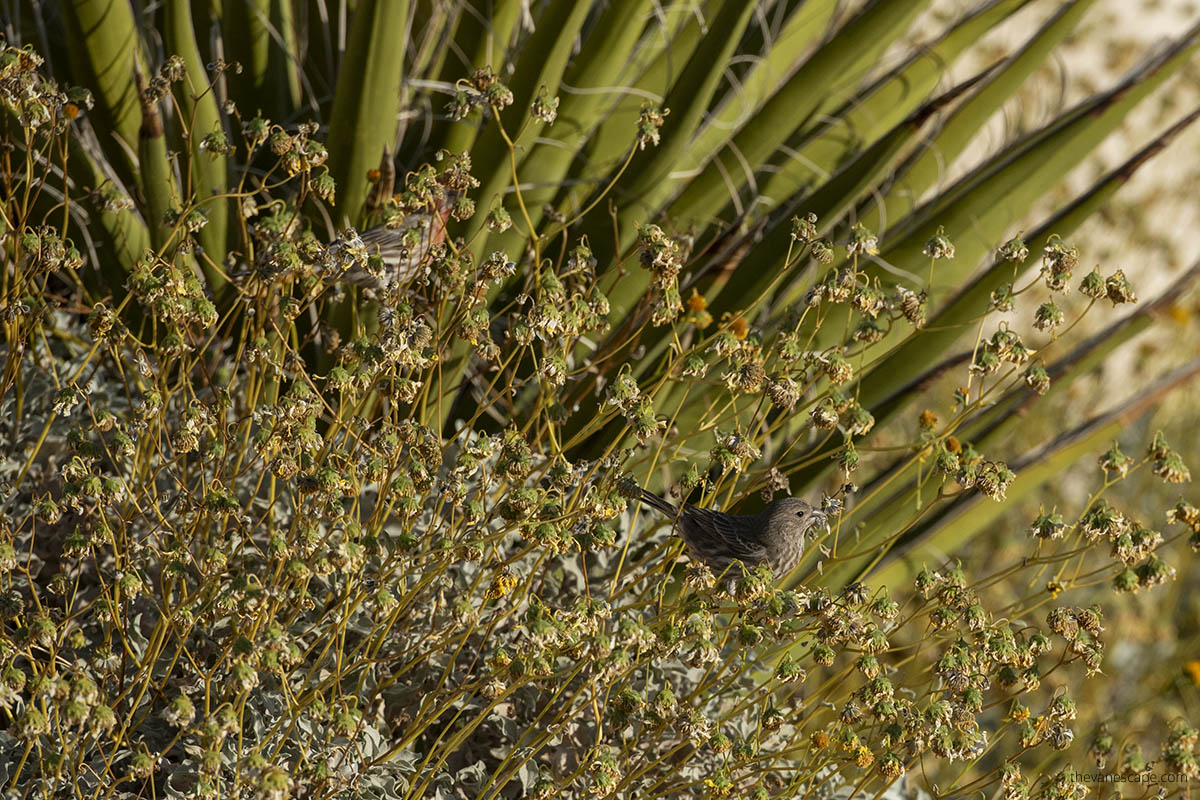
{"x": 775, "y": 536}
{"x": 403, "y": 248}
{"x": 402, "y": 253}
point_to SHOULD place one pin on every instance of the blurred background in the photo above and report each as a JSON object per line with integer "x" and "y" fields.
{"x": 1152, "y": 231}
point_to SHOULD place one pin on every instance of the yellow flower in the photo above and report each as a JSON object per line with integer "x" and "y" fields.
{"x": 696, "y": 303}
{"x": 373, "y": 175}
{"x": 1192, "y": 668}
{"x": 928, "y": 419}
{"x": 502, "y": 584}
{"x": 718, "y": 788}
{"x": 739, "y": 328}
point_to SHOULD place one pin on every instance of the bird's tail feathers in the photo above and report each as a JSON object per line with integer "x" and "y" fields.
{"x": 654, "y": 501}
{"x": 630, "y": 489}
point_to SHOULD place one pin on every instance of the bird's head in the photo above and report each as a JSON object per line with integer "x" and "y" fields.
{"x": 808, "y": 517}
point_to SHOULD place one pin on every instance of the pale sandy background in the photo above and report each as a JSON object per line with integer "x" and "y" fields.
{"x": 1152, "y": 229}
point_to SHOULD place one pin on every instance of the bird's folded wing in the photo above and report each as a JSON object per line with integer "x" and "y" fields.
{"x": 731, "y": 536}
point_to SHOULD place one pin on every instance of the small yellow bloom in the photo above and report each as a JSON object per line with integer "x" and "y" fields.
{"x": 820, "y": 740}
{"x": 696, "y": 303}
{"x": 928, "y": 419}
{"x": 1054, "y": 588}
{"x": 953, "y": 445}
{"x": 739, "y": 327}
{"x": 863, "y": 757}
{"x": 70, "y": 110}
{"x": 1192, "y": 668}
{"x": 722, "y": 788}
{"x": 373, "y": 175}
{"x": 502, "y": 584}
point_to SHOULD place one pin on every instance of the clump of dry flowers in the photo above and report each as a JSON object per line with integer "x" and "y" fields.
{"x": 247, "y": 552}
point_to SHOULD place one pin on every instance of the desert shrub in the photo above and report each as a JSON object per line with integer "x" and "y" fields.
{"x": 269, "y": 533}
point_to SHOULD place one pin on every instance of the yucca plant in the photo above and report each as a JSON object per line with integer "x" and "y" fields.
{"x": 268, "y": 533}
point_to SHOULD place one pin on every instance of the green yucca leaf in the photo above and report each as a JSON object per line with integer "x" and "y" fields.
{"x": 925, "y": 167}
{"x": 687, "y": 102}
{"x": 782, "y": 54}
{"x": 928, "y": 167}
{"x": 882, "y": 106}
{"x": 966, "y": 518}
{"x": 976, "y": 211}
{"x": 260, "y": 36}
{"x": 120, "y": 233}
{"x": 158, "y": 177}
{"x": 583, "y": 108}
{"x": 363, "y": 120}
{"x": 208, "y": 175}
{"x": 950, "y": 322}
{"x": 887, "y": 512}
{"x": 837, "y": 67}
{"x": 890, "y": 387}
{"x": 106, "y": 53}
{"x": 486, "y": 42}
{"x": 540, "y": 66}
{"x": 831, "y": 200}
{"x": 651, "y": 71}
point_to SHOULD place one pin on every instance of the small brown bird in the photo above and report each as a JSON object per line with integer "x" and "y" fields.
{"x": 403, "y": 253}
{"x": 403, "y": 248}
{"x": 775, "y": 536}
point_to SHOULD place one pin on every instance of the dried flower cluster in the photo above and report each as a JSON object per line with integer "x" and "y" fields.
{"x": 284, "y": 538}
